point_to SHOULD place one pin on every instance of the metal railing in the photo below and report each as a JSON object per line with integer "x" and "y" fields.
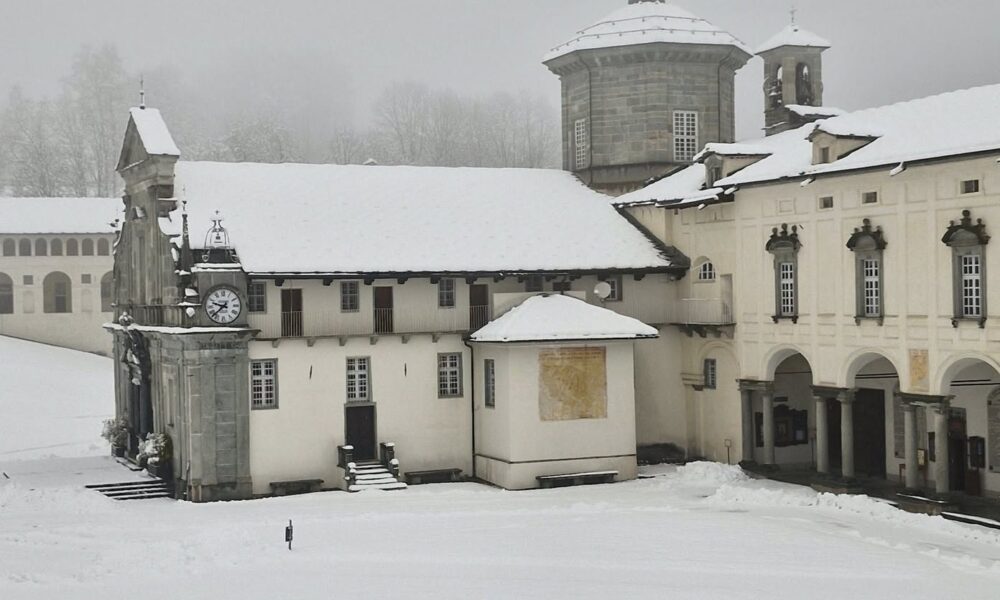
{"x": 383, "y": 320}
{"x": 479, "y": 316}
{"x": 331, "y": 321}
{"x": 698, "y": 311}
{"x": 291, "y": 323}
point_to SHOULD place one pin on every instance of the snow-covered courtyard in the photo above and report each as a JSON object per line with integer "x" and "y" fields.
{"x": 699, "y": 531}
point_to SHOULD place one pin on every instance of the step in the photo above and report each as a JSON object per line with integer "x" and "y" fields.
{"x": 367, "y": 476}
{"x": 396, "y": 485}
{"x": 145, "y": 490}
{"x": 372, "y": 470}
{"x": 145, "y": 496}
{"x": 126, "y": 485}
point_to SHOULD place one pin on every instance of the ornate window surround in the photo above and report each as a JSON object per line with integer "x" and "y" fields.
{"x": 967, "y": 239}
{"x": 868, "y": 244}
{"x": 784, "y": 245}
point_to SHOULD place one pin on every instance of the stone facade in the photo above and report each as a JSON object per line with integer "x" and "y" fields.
{"x": 793, "y": 75}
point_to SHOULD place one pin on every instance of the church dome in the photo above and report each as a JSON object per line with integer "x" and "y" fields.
{"x": 647, "y": 22}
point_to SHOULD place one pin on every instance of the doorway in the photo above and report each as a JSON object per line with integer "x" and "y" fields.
{"x": 291, "y": 313}
{"x": 359, "y": 430}
{"x": 869, "y": 433}
{"x": 383, "y": 309}
{"x": 479, "y": 306}
{"x": 958, "y": 459}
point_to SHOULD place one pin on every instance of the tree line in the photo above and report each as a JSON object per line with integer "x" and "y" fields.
{"x": 68, "y": 144}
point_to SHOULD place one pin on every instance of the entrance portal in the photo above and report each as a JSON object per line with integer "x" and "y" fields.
{"x": 360, "y": 430}
{"x": 869, "y": 433}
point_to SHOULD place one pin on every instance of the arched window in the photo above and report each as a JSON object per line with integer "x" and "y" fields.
{"x": 87, "y": 248}
{"x": 803, "y": 85}
{"x": 107, "y": 289}
{"x": 41, "y": 247}
{"x": 706, "y": 272}
{"x": 6, "y": 294}
{"x": 58, "y": 293}
{"x": 56, "y": 247}
{"x": 776, "y": 88}
{"x": 9, "y": 247}
{"x": 103, "y": 247}
{"x": 24, "y": 247}
{"x": 72, "y": 247}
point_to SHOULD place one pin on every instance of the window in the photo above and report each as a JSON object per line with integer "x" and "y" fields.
{"x": 6, "y": 294}
{"x": 57, "y": 291}
{"x": 970, "y": 186}
{"x": 616, "y": 294}
{"x": 972, "y": 286}
{"x": 57, "y": 247}
{"x": 85, "y": 278}
{"x": 24, "y": 247}
{"x": 9, "y": 247}
{"x": 533, "y": 283}
{"x": 358, "y": 380}
{"x": 41, "y": 247}
{"x": 787, "y": 288}
{"x": 107, "y": 291}
{"x": 711, "y": 374}
{"x": 871, "y": 274}
{"x": 869, "y": 198}
{"x": 264, "y": 383}
{"x": 28, "y": 280}
{"x": 103, "y": 247}
{"x": 867, "y": 243}
{"x": 968, "y": 240}
{"x": 349, "y": 296}
{"x": 826, "y": 203}
{"x": 449, "y": 375}
{"x": 72, "y": 247}
{"x": 446, "y": 293}
{"x": 580, "y": 143}
{"x": 561, "y": 286}
{"x": 706, "y": 272}
{"x": 824, "y": 154}
{"x": 685, "y": 135}
{"x": 87, "y": 247}
{"x": 489, "y": 383}
{"x": 257, "y": 296}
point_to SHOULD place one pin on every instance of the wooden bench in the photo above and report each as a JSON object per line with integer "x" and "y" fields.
{"x": 301, "y": 486}
{"x": 552, "y": 481}
{"x": 432, "y": 476}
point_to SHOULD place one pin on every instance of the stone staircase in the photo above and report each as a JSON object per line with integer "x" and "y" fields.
{"x": 373, "y": 475}
{"x": 134, "y": 490}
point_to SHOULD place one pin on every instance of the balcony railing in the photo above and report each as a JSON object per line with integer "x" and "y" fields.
{"x": 383, "y": 320}
{"x": 291, "y": 323}
{"x": 331, "y": 321}
{"x": 479, "y": 316}
{"x": 698, "y": 311}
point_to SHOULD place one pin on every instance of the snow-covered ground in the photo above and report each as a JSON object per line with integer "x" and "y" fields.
{"x": 700, "y": 531}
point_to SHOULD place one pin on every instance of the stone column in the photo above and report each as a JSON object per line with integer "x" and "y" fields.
{"x": 910, "y": 445}
{"x": 767, "y": 406}
{"x": 746, "y": 398}
{"x": 822, "y": 438}
{"x": 941, "y": 483}
{"x": 846, "y": 399}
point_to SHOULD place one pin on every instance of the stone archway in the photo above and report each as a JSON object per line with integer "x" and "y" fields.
{"x": 876, "y": 415}
{"x": 972, "y": 388}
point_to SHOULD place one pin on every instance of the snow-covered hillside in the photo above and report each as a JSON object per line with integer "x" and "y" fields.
{"x": 52, "y": 401}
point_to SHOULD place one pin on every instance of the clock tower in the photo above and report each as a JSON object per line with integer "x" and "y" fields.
{"x": 180, "y": 331}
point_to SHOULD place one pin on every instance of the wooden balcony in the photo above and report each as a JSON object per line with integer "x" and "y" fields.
{"x": 704, "y": 316}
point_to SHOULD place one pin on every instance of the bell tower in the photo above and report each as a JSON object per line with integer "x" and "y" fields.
{"x": 793, "y": 78}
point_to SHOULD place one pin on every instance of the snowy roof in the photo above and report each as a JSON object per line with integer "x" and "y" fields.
{"x": 156, "y": 138}
{"x": 793, "y": 35}
{"x": 554, "y": 317}
{"x": 952, "y": 124}
{"x": 739, "y": 149}
{"x": 647, "y": 23}
{"x": 59, "y": 215}
{"x": 352, "y": 219}
{"x": 815, "y": 111}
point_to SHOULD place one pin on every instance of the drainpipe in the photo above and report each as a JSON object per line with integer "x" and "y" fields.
{"x": 472, "y": 401}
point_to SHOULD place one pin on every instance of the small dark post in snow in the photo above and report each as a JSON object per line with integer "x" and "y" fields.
{"x": 729, "y": 446}
{"x": 288, "y": 534}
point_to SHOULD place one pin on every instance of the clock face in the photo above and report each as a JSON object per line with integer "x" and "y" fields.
{"x": 223, "y": 305}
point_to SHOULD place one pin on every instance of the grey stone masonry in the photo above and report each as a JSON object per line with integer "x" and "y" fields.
{"x": 627, "y": 95}
{"x": 792, "y": 75}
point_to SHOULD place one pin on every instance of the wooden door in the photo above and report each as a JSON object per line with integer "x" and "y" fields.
{"x": 383, "y": 310}
{"x": 360, "y": 430}
{"x": 479, "y": 306}
{"x": 958, "y": 448}
{"x": 291, "y": 313}
{"x": 869, "y": 432}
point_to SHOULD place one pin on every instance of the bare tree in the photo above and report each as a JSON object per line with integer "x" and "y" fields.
{"x": 348, "y": 147}
{"x": 31, "y": 152}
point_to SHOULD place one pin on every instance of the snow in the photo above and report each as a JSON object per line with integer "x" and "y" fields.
{"x": 554, "y": 317}
{"x": 42, "y": 415}
{"x": 793, "y": 35}
{"x": 352, "y": 219}
{"x": 701, "y": 531}
{"x": 59, "y": 215}
{"x": 156, "y": 138}
{"x": 815, "y": 111}
{"x": 732, "y": 150}
{"x": 647, "y": 23}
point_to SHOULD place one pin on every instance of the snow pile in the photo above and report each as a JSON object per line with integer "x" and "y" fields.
{"x": 554, "y": 317}
{"x": 815, "y": 111}
{"x": 793, "y": 35}
{"x": 710, "y": 474}
{"x": 647, "y": 23}
{"x": 156, "y": 138}
{"x": 59, "y": 215}
{"x": 353, "y": 219}
{"x": 732, "y": 150}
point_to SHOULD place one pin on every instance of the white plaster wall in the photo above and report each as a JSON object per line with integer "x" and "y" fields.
{"x": 80, "y": 329}
{"x": 299, "y": 439}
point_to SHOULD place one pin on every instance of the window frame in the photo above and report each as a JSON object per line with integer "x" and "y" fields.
{"x": 963, "y": 189}
{"x": 6, "y": 294}
{"x": 710, "y": 371}
{"x": 446, "y": 297}
{"x": 534, "y": 283}
{"x": 581, "y": 143}
{"x": 352, "y": 378}
{"x": 617, "y": 292}
{"x": 821, "y": 200}
{"x": 346, "y": 295}
{"x": 685, "y": 135}
{"x": 256, "y": 292}
{"x": 489, "y": 383}
{"x": 107, "y": 292}
{"x": 707, "y": 268}
{"x": 784, "y": 246}
{"x": 968, "y": 239}
{"x": 868, "y": 245}
{"x": 873, "y": 194}
{"x": 263, "y": 378}
{"x": 445, "y": 370}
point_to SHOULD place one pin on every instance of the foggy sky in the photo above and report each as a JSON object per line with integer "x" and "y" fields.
{"x": 883, "y": 50}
